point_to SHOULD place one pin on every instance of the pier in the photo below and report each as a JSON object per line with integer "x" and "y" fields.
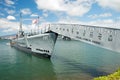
{"x": 99, "y": 36}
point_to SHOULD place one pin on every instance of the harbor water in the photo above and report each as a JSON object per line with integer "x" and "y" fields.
{"x": 71, "y": 60}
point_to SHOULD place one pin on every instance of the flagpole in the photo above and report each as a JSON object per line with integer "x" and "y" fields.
{"x": 38, "y": 24}
{"x": 20, "y": 29}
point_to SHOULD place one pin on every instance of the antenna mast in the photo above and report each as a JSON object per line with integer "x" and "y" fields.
{"x": 20, "y": 29}
{"x": 21, "y": 33}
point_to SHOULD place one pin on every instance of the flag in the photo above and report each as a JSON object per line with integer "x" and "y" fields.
{"x": 34, "y": 21}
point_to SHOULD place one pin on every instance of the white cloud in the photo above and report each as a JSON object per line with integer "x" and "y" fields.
{"x": 5, "y": 24}
{"x": 42, "y": 19}
{"x": 106, "y": 23}
{"x": 51, "y": 4}
{"x": 9, "y": 11}
{"x": 7, "y": 30}
{"x": 101, "y": 22}
{"x": 26, "y": 11}
{"x": 9, "y": 2}
{"x": 34, "y": 15}
{"x": 9, "y": 26}
{"x": 9, "y": 17}
{"x": 104, "y": 15}
{"x": 70, "y": 7}
{"x": 45, "y": 14}
{"x": 113, "y": 4}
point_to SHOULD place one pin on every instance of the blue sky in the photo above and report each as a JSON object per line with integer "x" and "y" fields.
{"x": 91, "y": 12}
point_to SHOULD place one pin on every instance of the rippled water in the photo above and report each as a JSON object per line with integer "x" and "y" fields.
{"x": 71, "y": 60}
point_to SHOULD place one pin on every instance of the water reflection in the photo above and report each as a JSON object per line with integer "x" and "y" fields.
{"x": 71, "y": 60}
{"x": 17, "y": 65}
{"x": 75, "y": 60}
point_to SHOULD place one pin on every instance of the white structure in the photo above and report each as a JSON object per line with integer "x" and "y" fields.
{"x": 101, "y": 36}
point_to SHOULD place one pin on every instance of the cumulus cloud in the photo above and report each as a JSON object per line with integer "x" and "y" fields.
{"x": 70, "y": 7}
{"x": 9, "y": 11}
{"x": 103, "y": 23}
{"x": 45, "y": 14}
{"x": 104, "y": 15}
{"x": 6, "y": 24}
{"x": 113, "y": 4}
{"x": 51, "y": 4}
{"x": 12, "y": 27}
{"x": 26, "y": 11}
{"x": 9, "y": 17}
{"x": 9, "y": 2}
{"x": 34, "y": 15}
{"x": 8, "y": 30}
{"x": 100, "y": 22}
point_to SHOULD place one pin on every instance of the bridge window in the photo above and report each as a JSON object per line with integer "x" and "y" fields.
{"x": 91, "y": 34}
{"x": 68, "y": 30}
{"x": 111, "y": 31}
{"x": 99, "y": 36}
{"x": 72, "y": 30}
{"x": 77, "y": 32}
{"x": 110, "y": 38}
{"x": 84, "y": 33}
{"x": 63, "y": 29}
{"x": 60, "y": 28}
